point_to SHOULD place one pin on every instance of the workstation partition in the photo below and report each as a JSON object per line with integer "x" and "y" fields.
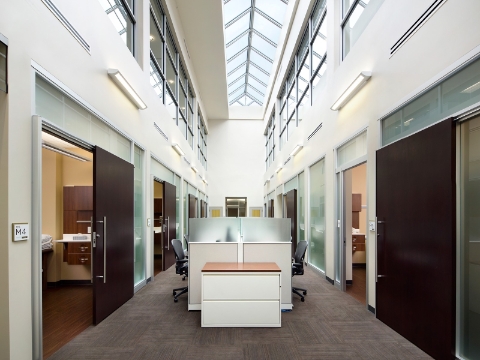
{"x": 238, "y": 240}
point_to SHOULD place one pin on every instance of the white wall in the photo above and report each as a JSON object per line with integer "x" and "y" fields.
{"x": 395, "y": 78}
{"x": 236, "y": 161}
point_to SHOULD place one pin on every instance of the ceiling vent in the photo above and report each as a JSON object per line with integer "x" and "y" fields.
{"x": 315, "y": 131}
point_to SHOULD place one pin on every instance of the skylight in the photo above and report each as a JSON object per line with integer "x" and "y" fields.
{"x": 252, "y": 31}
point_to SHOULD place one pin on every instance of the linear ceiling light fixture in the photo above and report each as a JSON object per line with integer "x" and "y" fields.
{"x": 64, "y": 152}
{"x": 123, "y": 84}
{"x": 354, "y": 87}
{"x": 296, "y": 150}
{"x": 178, "y": 149}
{"x": 194, "y": 168}
{"x": 278, "y": 170}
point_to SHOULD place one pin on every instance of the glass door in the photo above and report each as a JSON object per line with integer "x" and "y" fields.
{"x": 468, "y": 332}
{"x": 340, "y": 241}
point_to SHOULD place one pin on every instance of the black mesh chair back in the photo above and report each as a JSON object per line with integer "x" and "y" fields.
{"x": 178, "y": 249}
{"x": 297, "y": 267}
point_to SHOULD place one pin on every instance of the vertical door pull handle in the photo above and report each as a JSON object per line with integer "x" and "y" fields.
{"x": 168, "y": 232}
{"x": 104, "y": 248}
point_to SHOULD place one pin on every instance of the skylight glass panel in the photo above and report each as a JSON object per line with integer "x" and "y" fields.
{"x": 237, "y": 61}
{"x": 253, "y": 43}
{"x": 266, "y": 28}
{"x": 263, "y": 46}
{"x": 274, "y": 8}
{"x": 237, "y": 46}
{"x": 259, "y": 74}
{"x": 238, "y": 27}
{"x": 233, "y": 8}
{"x": 260, "y": 61}
{"x": 260, "y": 87}
{"x": 236, "y": 73}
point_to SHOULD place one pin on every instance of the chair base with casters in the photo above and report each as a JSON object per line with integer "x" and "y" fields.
{"x": 181, "y": 267}
{"x": 182, "y": 290}
{"x": 297, "y": 267}
{"x": 296, "y": 290}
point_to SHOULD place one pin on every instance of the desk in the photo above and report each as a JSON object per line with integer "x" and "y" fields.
{"x": 241, "y": 295}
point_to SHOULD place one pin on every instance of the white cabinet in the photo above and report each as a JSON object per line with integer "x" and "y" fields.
{"x": 242, "y": 299}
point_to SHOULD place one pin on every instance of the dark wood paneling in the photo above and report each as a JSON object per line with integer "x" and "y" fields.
{"x": 292, "y": 215}
{"x": 70, "y": 222}
{"x": 113, "y": 199}
{"x": 170, "y": 212}
{"x": 356, "y": 202}
{"x": 83, "y": 197}
{"x": 271, "y": 208}
{"x": 202, "y": 209}
{"x": 79, "y": 248}
{"x": 356, "y": 219}
{"x": 84, "y": 215}
{"x": 192, "y": 206}
{"x": 416, "y": 238}
{"x": 79, "y": 259}
{"x": 69, "y": 198}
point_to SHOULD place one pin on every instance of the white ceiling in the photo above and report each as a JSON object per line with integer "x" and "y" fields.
{"x": 202, "y": 22}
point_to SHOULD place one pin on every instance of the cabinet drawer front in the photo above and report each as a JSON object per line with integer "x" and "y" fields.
{"x": 80, "y": 248}
{"x": 241, "y": 313}
{"x": 241, "y": 287}
{"x": 358, "y": 239}
{"x": 78, "y": 259}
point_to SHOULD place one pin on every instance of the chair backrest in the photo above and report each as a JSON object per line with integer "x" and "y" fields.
{"x": 178, "y": 249}
{"x": 185, "y": 237}
{"x": 300, "y": 252}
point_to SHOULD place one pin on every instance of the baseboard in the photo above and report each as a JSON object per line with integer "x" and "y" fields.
{"x": 149, "y": 279}
{"x": 371, "y": 309}
{"x": 329, "y": 280}
{"x": 68, "y": 282}
{"x": 359, "y": 265}
{"x": 349, "y": 282}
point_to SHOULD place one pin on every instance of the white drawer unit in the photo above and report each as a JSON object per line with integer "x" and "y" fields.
{"x": 242, "y": 295}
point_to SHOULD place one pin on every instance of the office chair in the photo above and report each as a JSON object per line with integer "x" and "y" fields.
{"x": 181, "y": 267}
{"x": 297, "y": 266}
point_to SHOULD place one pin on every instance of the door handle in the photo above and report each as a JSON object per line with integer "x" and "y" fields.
{"x": 168, "y": 233}
{"x": 104, "y": 249}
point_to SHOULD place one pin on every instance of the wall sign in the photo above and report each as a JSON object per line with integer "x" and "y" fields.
{"x": 20, "y": 231}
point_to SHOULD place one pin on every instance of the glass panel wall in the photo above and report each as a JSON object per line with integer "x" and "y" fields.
{"x": 139, "y": 242}
{"x": 178, "y": 185}
{"x": 317, "y": 215}
{"x": 63, "y": 111}
{"x": 469, "y": 304}
{"x": 202, "y": 141}
{"x": 457, "y": 92}
{"x": 352, "y": 150}
{"x": 308, "y": 66}
{"x": 270, "y": 142}
{"x": 3, "y": 67}
{"x": 301, "y": 207}
{"x": 236, "y": 206}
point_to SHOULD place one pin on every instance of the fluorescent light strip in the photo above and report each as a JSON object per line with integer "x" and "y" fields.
{"x": 296, "y": 150}
{"x": 64, "y": 152}
{"x": 278, "y": 170}
{"x": 178, "y": 149}
{"x": 118, "y": 78}
{"x": 194, "y": 168}
{"x": 472, "y": 88}
{"x": 352, "y": 90}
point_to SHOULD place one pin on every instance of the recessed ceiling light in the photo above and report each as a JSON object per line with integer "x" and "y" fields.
{"x": 152, "y": 38}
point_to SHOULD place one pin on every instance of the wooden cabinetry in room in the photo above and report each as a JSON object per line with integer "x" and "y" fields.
{"x": 77, "y": 208}
{"x": 78, "y": 253}
{"x": 358, "y": 242}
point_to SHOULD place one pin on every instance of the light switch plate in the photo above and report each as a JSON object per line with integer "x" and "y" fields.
{"x": 149, "y": 222}
{"x": 371, "y": 225}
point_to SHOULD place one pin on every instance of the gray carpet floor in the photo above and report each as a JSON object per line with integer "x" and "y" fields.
{"x": 330, "y": 324}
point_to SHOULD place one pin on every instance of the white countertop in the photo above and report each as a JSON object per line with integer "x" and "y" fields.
{"x": 72, "y": 238}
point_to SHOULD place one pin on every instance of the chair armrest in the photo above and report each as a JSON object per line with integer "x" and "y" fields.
{"x": 297, "y": 264}
{"x": 182, "y": 261}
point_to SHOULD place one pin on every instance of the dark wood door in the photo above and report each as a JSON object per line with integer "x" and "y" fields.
{"x": 192, "y": 206}
{"x": 202, "y": 208}
{"x": 170, "y": 220}
{"x": 113, "y": 225}
{"x": 271, "y": 208}
{"x": 415, "y": 287}
{"x": 292, "y": 215}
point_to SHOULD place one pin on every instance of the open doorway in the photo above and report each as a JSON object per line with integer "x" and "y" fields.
{"x": 164, "y": 224}
{"x": 355, "y": 229}
{"x": 67, "y": 209}
{"x": 158, "y": 233}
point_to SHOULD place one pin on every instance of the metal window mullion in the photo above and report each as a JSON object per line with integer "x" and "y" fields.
{"x": 157, "y": 24}
{"x": 261, "y": 54}
{"x": 252, "y": 98}
{"x": 349, "y": 12}
{"x": 259, "y": 68}
{"x": 238, "y": 67}
{"x": 257, "y": 79}
{"x": 236, "y": 80}
{"x": 129, "y": 11}
{"x": 237, "y": 38}
{"x": 320, "y": 22}
{"x": 238, "y": 17}
{"x": 256, "y": 32}
{"x": 319, "y": 66}
{"x": 237, "y": 54}
{"x": 250, "y": 26}
{"x": 266, "y": 16}
{"x": 254, "y": 88}
{"x": 310, "y": 56}
{"x": 157, "y": 66}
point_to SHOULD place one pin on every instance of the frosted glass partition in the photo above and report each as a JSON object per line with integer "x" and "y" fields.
{"x": 352, "y": 150}
{"x": 214, "y": 230}
{"x": 271, "y": 230}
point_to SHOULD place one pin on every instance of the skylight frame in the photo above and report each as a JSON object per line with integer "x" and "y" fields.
{"x": 253, "y": 12}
